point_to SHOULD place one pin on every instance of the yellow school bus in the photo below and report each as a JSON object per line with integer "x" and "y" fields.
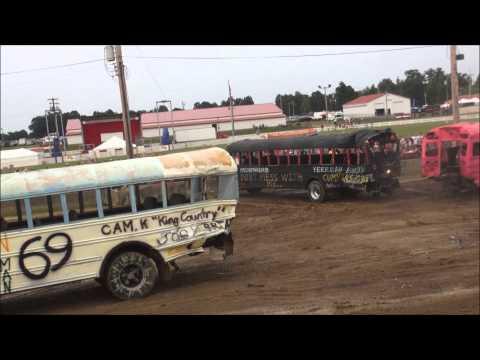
{"x": 123, "y": 223}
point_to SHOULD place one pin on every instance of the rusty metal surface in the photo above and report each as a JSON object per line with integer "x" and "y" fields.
{"x": 74, "y": 178}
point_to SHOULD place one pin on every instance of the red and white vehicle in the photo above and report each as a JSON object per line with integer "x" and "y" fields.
{"x": 452, "y": 152}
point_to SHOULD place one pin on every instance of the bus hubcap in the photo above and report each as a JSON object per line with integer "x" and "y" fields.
{"x": 315, "y": 192}
{"x": 131, "y": 275}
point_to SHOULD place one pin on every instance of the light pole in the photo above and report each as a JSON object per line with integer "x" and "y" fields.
{"x": 446, "y": 89}
{"x": 325, "y": 90}
{"x": 425, "y": 90}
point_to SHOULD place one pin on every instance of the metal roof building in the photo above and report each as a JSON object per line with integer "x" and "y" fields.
{"x": 202, "y": 124}
{"x": 375, "y": 105}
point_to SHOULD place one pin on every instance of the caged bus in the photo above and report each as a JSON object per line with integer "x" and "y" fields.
{"x": 123, "y": 223}
{"x": 363, "y": 160}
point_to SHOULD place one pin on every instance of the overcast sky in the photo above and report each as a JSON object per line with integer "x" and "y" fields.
{"x": 88, "y": 87}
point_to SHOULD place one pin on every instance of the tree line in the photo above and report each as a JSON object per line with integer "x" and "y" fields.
{"x": 431, "y": 87}
{"x": 248, "y": 100}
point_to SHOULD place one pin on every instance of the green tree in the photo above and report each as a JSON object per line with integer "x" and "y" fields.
{"x": 14, "y": 135}
{"x": 369, "y": 90}
{"x": 38, "y": 127}
{"x": 413, "y": 88}
{"x": 343, "y": 94}
{"x": 204, "y": 105}
{"x": 437, "y": 86}
{"x": 387, "y": 85}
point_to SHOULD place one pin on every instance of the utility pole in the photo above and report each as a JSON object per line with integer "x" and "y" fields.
{"x": 326, "y": 102}
{"x": 454, "y": 81}
{"x": 231, "y": 110}
{"x": 386, "y": 105}
{"x": 52, "y": 109}
{"x": 123, "y": 96}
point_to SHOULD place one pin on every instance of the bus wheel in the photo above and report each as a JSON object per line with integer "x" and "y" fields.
{"x": 131, "y": 275}
{"x": 316, "y": 191}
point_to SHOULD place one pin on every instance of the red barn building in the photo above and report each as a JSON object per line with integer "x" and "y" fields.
{"x": 95, "y": 130}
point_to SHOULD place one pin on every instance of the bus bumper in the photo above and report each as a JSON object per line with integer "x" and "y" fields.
{"x": 222, "y": 243}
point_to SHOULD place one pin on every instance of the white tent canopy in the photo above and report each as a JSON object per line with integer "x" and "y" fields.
{"x": 18, "y": 158}
{"x": 112, "y": 147}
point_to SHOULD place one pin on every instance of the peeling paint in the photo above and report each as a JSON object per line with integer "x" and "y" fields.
{"x": 114, "y": 173}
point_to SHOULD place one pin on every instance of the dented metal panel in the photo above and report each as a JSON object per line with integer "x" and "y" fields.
{"x": 74, "y": 178}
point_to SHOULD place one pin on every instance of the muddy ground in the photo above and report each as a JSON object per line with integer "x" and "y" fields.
{"x": 414, "y": 253}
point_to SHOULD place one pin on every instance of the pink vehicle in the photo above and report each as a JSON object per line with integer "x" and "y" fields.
{"x": 452, "y": 152}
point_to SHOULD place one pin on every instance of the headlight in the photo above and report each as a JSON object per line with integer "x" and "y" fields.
{"x": 388, "y": 171}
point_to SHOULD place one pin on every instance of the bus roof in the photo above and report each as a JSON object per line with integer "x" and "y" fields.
{"x": 452, "y": 131}
{"x": 114, "y": 173}
{"x": 343, "y": 140}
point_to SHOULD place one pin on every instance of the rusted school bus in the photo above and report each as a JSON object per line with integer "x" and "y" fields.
{"x": 451, "y": 153}
{"x": 123, "y": 223}
{"x": 363, "y": 160}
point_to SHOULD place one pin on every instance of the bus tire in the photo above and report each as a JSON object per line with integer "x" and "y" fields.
{"x": 316, "y": 191}
{"x": 131, "y": 274}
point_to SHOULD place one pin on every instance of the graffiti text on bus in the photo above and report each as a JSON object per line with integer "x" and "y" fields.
{"x": 5, "y": 278}
{"x": 65, "y": 248}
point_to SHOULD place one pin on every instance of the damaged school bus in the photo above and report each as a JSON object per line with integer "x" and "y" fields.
{"x": 363, "y": 160}
{"x": 121, "y": 222}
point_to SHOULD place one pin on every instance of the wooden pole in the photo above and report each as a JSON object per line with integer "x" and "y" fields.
{"x": 454, "y": 81}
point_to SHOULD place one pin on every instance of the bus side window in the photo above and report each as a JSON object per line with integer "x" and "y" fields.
{"x": 340, "y": 157}
{"x": 273, "y": 157}
{"x": 244, "y": 159}
{"x": 476, "y": 149}
{"x": 327, "y": 156}
{"x": 210, "y": 187}
{"x": 432, "y": 149}
{"x": 315, "y": 157}
{"x": 178, "y": 192}
{"x": 353, "y": 156}
{"x": 116, "y": 200}
{"x": 82, "y": 205}
{"x": 150, "y": 195}
{"x": 12, "y": 215}
{"x": 464, "y": 149}
{"x": 283, "y": 157}
{"x": 46, "y": 210}
{"x": 294, "y": 157}
{"x": 305, "y": 156}
{"x": 254, "y": 158}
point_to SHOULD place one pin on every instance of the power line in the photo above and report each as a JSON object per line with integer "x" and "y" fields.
{"x": 52, "y": 67}
{"x": 221, "y": 58}
{"x": 278, "y": 56}
{"x": 146, "y": 67}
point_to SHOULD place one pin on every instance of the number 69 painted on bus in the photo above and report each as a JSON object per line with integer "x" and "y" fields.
{"x": 123, "y": 223}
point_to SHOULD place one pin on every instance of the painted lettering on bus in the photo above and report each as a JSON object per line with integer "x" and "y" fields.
{"x": 254, "y": 170}
{"x": 5, "y": 277}
{"x": 119, "y": 227}
{"x": 185, "y": 216}
{"x": 339, "y": 169}
{"x": 66, "y": 249}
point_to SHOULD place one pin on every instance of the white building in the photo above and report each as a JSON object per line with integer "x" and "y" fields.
{"x": 204, "y": 124}
{"x": 375, "y": 104}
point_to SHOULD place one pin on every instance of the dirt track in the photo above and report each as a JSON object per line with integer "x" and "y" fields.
{"x": 349, "y": 255}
